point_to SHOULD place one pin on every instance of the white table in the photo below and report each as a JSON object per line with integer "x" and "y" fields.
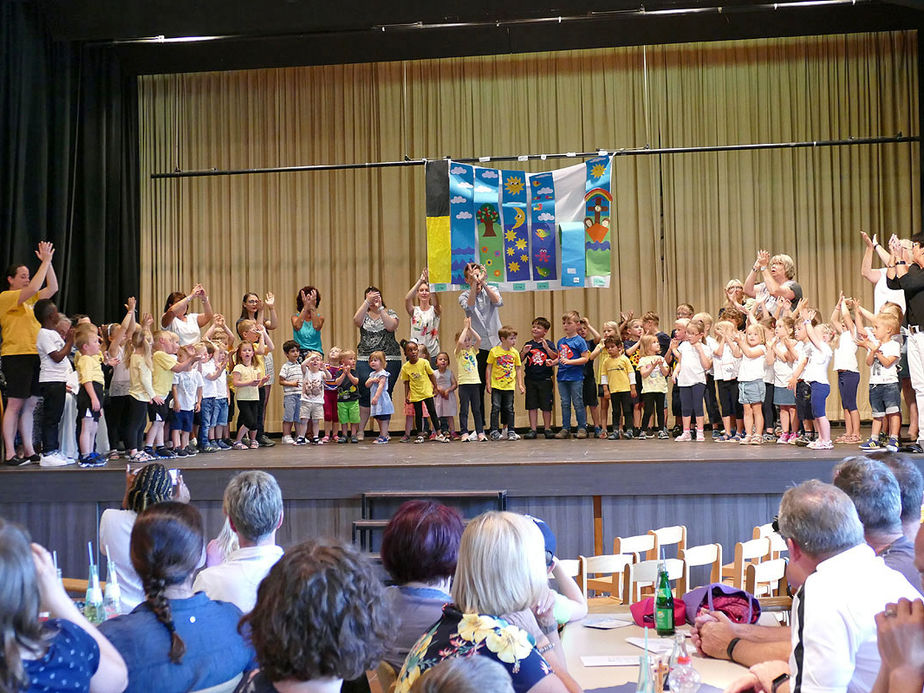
{"x": 578, "y": 640}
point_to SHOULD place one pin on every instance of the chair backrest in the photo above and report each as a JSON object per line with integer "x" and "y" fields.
{"x": 747, "y": 552}
{"x": 705, "y": 554}
{"x": 571, "y": 566}
{"x": 226, "y": 687}
{"x": 609, "y": 565}
{"x": 645, "y": 573}
{"x": 777, "y": 543}
{"x": 766, "y": 579}
{"x": 636, "y": 545}
{"x": 667, "y": 536}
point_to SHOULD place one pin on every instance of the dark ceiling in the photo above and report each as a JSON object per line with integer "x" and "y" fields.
{"x": 276, "y": 33}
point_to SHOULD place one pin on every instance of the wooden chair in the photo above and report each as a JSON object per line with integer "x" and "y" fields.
{"x": 610, "y": 565}
{"x": 777, "y": 543}
{"x": 746, "y": 552}
{"x": 667, "y": 536}
{"x": 382, "y": 679}
{"x": 766, "y": 579}
{"x": 644, "y": 574}
{"x": 705, "y": 554}
{"x": 571, "y": 566}
{"x": 636, "y": 545}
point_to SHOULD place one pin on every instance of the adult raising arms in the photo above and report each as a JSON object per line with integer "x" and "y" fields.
{"x": 377, "y": 325}
{"x": 177, "y": 318}
{"x": 425, "y": 317}
{"x": 307, "y": 322}
{"x": 777, "y": 283}
{"x": 262, "y": 313}
{"x": 19, "y": 354}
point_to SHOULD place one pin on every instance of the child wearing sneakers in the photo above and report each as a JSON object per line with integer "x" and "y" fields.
{"x": 539, "y": 357}
{"x": 813, "y": 367}
{"x": 187, "y": 400}
{"x": 694, "y": 358}
{"x": 848, "y": 371}
{"x": 89, "y": 367}
{"x": 290, "y": 377}
{"x": 348, "y": 398}
{"x": 53, "y": 350}
{"x": 781, "y": 353}
{"x": 504, "y": 370}
{"x": 803, "y": 388}
{"x": 654, "y": 370}
{"x": 884, "y": 389}
{"x": 467, "y": 343}
{"x": 331, "y": 421}
{"x": 725, "y": 366}
{"x": 419, "y": 385}
{"x": 446, "y": 405}
{"x": 311, "y": 399}
{"x": 381, "y": 407}
{"x": 618, "y": 378}
{"x": 572, "y": 355}
{"x": 751, "y": 385}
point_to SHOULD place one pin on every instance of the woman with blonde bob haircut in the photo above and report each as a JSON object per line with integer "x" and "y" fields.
{"x": 502, "y": 609}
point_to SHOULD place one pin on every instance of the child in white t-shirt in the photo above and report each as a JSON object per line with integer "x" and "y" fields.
{"x": 848, "y": 372}
{"x": 751, "y": 386}
{"x": 311, "y": 411}
{"x": 187, "y": 399}
{"x": 813, "y": 368}
{"x": 694, "y": 358}
{"x": 884, "y": 390}
{"x": 290, "y": 377}
{"x": 53, "y": 351}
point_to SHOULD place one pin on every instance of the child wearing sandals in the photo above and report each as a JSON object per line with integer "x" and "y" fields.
{"x": 381, "y": 407}
{"x": 751, "y": 386}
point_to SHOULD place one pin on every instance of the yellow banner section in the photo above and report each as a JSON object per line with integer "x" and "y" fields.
{"x": 439, "y": 253}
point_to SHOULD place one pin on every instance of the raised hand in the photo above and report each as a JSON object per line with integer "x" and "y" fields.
{"x": 130, "y": 304}
{"x": 866, "y": 239}
{"x": 269, "y": 300}
{"x": 45, "y": 251}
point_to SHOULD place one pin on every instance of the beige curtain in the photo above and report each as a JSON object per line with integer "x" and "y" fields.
{"x": 685, "y": 223}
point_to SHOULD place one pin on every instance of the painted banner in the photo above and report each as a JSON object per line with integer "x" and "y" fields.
{"x": 531, "y": 231}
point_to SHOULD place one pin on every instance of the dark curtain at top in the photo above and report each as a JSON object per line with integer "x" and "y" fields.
{"x": 68, "y": 167}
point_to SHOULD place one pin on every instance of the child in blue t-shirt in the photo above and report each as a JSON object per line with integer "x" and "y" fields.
{"x": 572, "y": 355}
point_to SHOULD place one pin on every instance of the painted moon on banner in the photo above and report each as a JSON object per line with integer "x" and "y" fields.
{"x": 520, "y": 218}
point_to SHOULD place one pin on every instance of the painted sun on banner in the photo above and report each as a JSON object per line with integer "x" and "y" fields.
{"x": 531, "y": 231}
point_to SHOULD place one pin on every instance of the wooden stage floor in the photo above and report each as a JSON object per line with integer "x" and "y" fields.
{"x": 526, "y": 468}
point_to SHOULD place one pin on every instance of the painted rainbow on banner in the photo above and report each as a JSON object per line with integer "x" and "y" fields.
{"x": 531, "y": 231}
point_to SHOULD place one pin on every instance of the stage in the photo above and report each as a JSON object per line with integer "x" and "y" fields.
{"x": 589, "y": 491}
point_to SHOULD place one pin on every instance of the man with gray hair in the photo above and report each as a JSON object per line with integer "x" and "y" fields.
{"x": 911, "y": 484}
{"x": 253, "y": 504}
{"x": 876, "y": 495}
{"x": 841, "y": 585}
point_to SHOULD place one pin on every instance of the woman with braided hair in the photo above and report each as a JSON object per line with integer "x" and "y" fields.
{"x": 176, "y": 640}
{"x": 64, "y": 653}
{"x": 144, "y": 487}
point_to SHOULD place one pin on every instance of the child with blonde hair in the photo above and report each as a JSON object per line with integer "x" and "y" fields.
{"x": 848, "y": 371}
{"x": 884, "y": 391}
{"x": 466, "y": 351}
{"x": 725, "y": 371}
{"x": 781, "y": 354}
{"x": 381, "y": 407}
{"x": 248, "y": 378}
{"x": 813, "y": 367}
{"x": 694, "y": 358}
{"x": 751, "y": 386}
{"x": 655, "y": 370}
{"x": 332, "y": 366}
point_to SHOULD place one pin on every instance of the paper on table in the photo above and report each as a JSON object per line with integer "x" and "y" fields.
{"x": 609, "y": 661}
{"x": 656, "y": 645}
{"x": 606, "y": 622}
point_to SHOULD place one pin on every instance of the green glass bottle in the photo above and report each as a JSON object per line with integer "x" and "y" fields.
{"x": 664, "y": 604}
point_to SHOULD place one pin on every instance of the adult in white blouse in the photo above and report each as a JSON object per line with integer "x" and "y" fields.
{"x": 177, "y": 318}
{"x": 882, "y": 294}
{"x": 425, "y": 317}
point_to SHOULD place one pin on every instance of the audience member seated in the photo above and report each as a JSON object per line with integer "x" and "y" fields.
{"x": 65, "y": 653}
{"x": 143, "y": 488}
{"x": 253, "y": 505}
{"x": 320, "y": 618}
{"x": 841, "y": 585}
{"x": 180, "y": 640}
{"x": 570, "y": 603}
{"x": 499, "y": 582}
{"x": 911, "y": 484}
{"x": 464, "y": 675}
{"x": 419, "y": 550}
{"x": 874, "y": 491}
{"x": 219, "y": 548}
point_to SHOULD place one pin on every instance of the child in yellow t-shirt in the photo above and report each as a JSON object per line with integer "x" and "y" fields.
{"x": 504, "y": 370}
{"x": 89, "y": 366}
{"x": 419, "y": 385}
{"x": 467, "y": 342}
{"x": 618, "y": 378}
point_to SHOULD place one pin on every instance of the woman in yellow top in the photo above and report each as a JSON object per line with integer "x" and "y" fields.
{"x": 19, "y": 355}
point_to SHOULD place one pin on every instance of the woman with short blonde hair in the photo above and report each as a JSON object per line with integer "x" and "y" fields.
{"x": 501, "y": 609}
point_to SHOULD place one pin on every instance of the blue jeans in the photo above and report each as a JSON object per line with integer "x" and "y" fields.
{"x": 572, "y": 393}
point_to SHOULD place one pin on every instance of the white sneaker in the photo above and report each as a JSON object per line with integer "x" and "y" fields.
{"x": 55, "y": 459}
{"x": 288, "y": 440}
{"x": 440, "y": 438}
{"x": 512, "y": 435}
{"x": 471, "y": 437}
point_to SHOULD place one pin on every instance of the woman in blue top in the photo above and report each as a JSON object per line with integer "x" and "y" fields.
{"x": 307, "y": 322}
{"x": 66, "y": 653}
{"x": 180, "y": 640}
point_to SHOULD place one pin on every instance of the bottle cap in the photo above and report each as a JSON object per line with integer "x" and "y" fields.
{"x": 683, "y": 659}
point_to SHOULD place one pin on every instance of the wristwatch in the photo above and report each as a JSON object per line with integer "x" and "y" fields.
{"x": 778, "y": 681}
